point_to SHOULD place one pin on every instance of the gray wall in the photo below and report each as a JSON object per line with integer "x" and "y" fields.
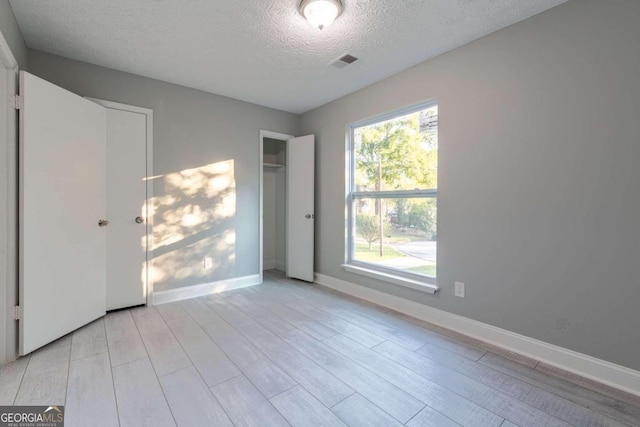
{"x": 539, "y": 198}
{"x": 11, "y": 32}
{"x": 198, "y": 138}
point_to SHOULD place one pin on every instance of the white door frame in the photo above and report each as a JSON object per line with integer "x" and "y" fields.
{"x": 281, "y": 137}
{"x": 149, "y": 184}
{"x": 9, "y": 211}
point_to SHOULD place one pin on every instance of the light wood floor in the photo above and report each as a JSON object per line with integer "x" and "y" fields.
{"x": 288, "y": 353}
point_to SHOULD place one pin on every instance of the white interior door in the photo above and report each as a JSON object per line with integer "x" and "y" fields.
{"x": 300, "y": 207}
{"x": 62, "y": 198}
{"x": 126, "y": 195}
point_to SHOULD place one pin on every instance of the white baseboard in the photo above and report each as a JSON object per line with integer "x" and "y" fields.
{"x": 172, "y": 295}
{"x": 586, "y": 366}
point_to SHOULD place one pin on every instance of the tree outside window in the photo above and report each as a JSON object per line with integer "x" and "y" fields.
{"x": 394, "y": 181}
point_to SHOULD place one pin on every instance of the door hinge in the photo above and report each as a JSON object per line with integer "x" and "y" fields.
{"x": 16, "y": 102}
{"x": 17, "y": 312}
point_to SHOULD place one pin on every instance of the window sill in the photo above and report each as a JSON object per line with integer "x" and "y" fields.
{"x": 392, "y": 278}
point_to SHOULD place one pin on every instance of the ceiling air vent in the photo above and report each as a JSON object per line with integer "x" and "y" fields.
{"x": 343, "y": 61}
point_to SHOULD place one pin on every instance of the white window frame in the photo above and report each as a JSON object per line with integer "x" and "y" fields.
{"x": 415, "y": 281}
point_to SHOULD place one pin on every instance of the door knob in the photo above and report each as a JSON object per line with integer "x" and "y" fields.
{"x": 309, "y": 216}
{"x": 139, "y": 220}
{"x": 103, "y": 223}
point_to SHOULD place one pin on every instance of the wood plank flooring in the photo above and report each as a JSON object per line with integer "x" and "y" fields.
{"x": 289, "y": 353}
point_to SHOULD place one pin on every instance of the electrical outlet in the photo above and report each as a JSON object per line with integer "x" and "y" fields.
{"x": 459, "y": 289}
{"x": 208, "y": 263}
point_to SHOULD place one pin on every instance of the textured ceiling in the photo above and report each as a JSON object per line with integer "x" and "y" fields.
{"x": 262, "y": 51}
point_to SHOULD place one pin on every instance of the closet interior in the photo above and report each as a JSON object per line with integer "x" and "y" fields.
{"x": 274, "y": 204}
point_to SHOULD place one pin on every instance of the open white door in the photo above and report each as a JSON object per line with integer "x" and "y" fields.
{"x": 62, "y": 198}
{"x": 300, "y": 207}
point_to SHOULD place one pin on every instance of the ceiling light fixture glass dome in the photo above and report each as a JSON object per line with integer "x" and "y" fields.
{"x": 320, "y": 13}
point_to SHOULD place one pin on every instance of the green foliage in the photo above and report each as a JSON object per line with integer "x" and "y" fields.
{"x": 396, "y": 155}
{"x": 368, "y": 226}
{"x": 422, "y": 215}
{"x": 368, "y": 254}
{"x": 427, "y": 270}
{"x": 417, "y": 213}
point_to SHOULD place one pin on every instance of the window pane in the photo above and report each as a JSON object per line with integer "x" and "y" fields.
{"x": 408, "y": 233}
{"x": 398, "y": 154}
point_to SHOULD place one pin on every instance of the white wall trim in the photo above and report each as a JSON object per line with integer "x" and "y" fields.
{"x": 179, "y": 294}
{"x": 392, "y": 278}
{"x": 604, "y": 372}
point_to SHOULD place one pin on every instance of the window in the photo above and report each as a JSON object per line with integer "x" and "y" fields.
{"x": 392, "y": 203}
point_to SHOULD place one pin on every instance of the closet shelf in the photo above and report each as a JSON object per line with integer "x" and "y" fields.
{"x": 272, "y": 165}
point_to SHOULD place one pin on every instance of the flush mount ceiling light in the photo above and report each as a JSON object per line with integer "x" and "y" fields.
{"x": 320, "y": 13}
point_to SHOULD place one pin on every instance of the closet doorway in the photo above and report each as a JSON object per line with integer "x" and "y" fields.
{"x": 287, "y": 215}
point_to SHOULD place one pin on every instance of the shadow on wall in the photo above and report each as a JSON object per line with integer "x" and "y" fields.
{"x": 194, "y": 218}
